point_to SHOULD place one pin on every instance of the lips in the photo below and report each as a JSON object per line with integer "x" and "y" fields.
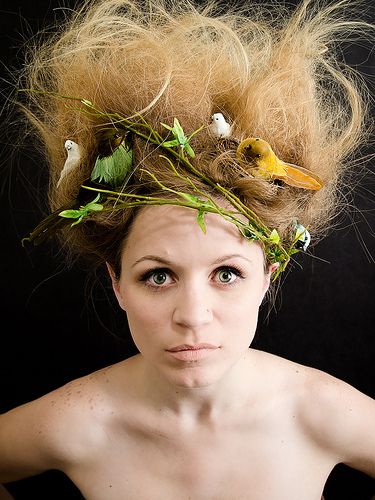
{"x": 193, "y": 353}
{"x": 192, "y": 347}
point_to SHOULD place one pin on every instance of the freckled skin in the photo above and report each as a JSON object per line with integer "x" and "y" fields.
{"x": 239, "y": 424}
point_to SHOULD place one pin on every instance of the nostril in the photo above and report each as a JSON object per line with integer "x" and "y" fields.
{"x": 192, "y": 316}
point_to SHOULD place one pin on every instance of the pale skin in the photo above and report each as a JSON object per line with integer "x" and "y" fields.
{"x": 228, "y": 423}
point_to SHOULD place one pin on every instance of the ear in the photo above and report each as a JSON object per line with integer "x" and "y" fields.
{"x": 273, "y": 267}
{"x": 115, "y": 286}
{"x": 267, "y": 277}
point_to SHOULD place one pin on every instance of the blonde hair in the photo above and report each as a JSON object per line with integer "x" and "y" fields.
{"x": 273, "y": 73}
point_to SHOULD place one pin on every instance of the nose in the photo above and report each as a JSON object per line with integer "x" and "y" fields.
{"x": 192, "y": 308}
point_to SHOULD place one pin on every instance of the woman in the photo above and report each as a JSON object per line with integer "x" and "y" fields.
{"x": 198, "y": 150}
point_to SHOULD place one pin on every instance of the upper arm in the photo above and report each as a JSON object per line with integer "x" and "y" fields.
{"x": 341, "y": 419}
{"x": 60, "y": 430}
{"x": 26, "y": 444}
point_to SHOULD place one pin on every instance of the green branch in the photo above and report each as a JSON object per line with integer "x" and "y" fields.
{"x": 176, "y": 148}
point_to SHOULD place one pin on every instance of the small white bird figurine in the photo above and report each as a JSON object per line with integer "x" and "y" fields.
{"x": 73, "y": 159}
{"x": 302, "y": 236}
{"x": 219, "y": 127}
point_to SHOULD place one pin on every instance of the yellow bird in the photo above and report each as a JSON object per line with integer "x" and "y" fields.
{"x": 269, "y": 166}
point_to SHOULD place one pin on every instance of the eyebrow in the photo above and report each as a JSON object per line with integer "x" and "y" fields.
{"x": 167, "y": 262}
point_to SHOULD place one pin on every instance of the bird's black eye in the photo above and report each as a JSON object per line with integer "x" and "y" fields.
{"x": 257, "y": 139}
{"x": 257, "y": 156}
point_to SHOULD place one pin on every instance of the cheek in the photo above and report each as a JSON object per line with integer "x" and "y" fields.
{"x": 245, "y": 316}
{"x": 142, "y": 321}
{"x": 145, "y": 312}
{"x": 240, "y": 311}
{"x": 249, "y": 295}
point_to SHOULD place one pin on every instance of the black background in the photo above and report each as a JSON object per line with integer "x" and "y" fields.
{"x": 51, "y": 333}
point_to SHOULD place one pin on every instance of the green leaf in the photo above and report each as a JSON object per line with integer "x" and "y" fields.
{"x": 84, "y": 210}
{"x": 94, "y": 207}
{"x": 71, "y": 214}
{"x": 190, "y": 198}
{"x": 97, "y": 198}
{"x": 189, "y": 150}
{"x": 274, "y": 237}
{"x": 86, "y": 102}
{"x": 78, "y": 220}
{"x": 166, "y": 126}
{"x": 180, "y": 138}
{"x": 178, "y": 132}
{"x": 200, "y": 219}
{"x": 249, "y": 233}
{"x": 171, "y": 144}
{"x": 300, "y": 232}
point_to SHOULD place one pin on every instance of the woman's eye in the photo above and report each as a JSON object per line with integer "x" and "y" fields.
{"x": 228, "y": 275}
{"x": 156, "y": 277}
{"x": 159, "y": 277}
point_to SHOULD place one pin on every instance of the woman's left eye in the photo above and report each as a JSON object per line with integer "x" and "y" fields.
{"x": 228, "y": 275}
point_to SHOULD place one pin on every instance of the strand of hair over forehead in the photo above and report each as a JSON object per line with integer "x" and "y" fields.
{"x": 274, "y": 74}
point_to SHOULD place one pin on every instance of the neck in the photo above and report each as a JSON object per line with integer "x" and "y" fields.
{"x": 198, "y": 404}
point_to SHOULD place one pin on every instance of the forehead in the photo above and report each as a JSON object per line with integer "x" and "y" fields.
{"x": 173, "y": 231}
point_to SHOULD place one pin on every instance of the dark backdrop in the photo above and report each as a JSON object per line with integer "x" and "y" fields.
{"x": 50, "y": 333}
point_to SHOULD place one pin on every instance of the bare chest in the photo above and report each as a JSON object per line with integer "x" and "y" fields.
{"x": 273, "y": 463}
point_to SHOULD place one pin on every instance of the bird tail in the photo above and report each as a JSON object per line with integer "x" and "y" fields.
{"x": 300, "y": 177}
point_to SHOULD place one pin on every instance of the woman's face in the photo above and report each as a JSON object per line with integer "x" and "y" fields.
{"x": 191, "y": 298}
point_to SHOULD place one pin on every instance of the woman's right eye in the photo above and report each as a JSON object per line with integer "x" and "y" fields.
{"x": 156, "y": 277}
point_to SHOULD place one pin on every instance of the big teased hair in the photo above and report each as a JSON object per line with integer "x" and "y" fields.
{"x": 273, "y": 72}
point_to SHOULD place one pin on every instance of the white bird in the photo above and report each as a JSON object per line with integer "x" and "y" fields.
{"x": 302, "y": 236}
{"x": 219, "y": 127}
{"x": 72, "y": 160}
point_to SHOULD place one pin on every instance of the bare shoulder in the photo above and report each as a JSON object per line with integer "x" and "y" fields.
{"x": 332, "y": 414}
{"x": 282, "y": 372}
{"x": 56, "y": 429}
{"x": 339, "y": 418}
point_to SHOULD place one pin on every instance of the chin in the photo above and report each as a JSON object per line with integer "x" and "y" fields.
{"x": 198, "y": 375}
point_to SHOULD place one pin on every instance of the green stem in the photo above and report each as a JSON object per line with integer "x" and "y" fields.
{"x": 254, "y": 225}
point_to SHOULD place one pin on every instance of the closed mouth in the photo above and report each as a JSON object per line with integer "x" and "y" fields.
{"x": 194, "y": 347}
